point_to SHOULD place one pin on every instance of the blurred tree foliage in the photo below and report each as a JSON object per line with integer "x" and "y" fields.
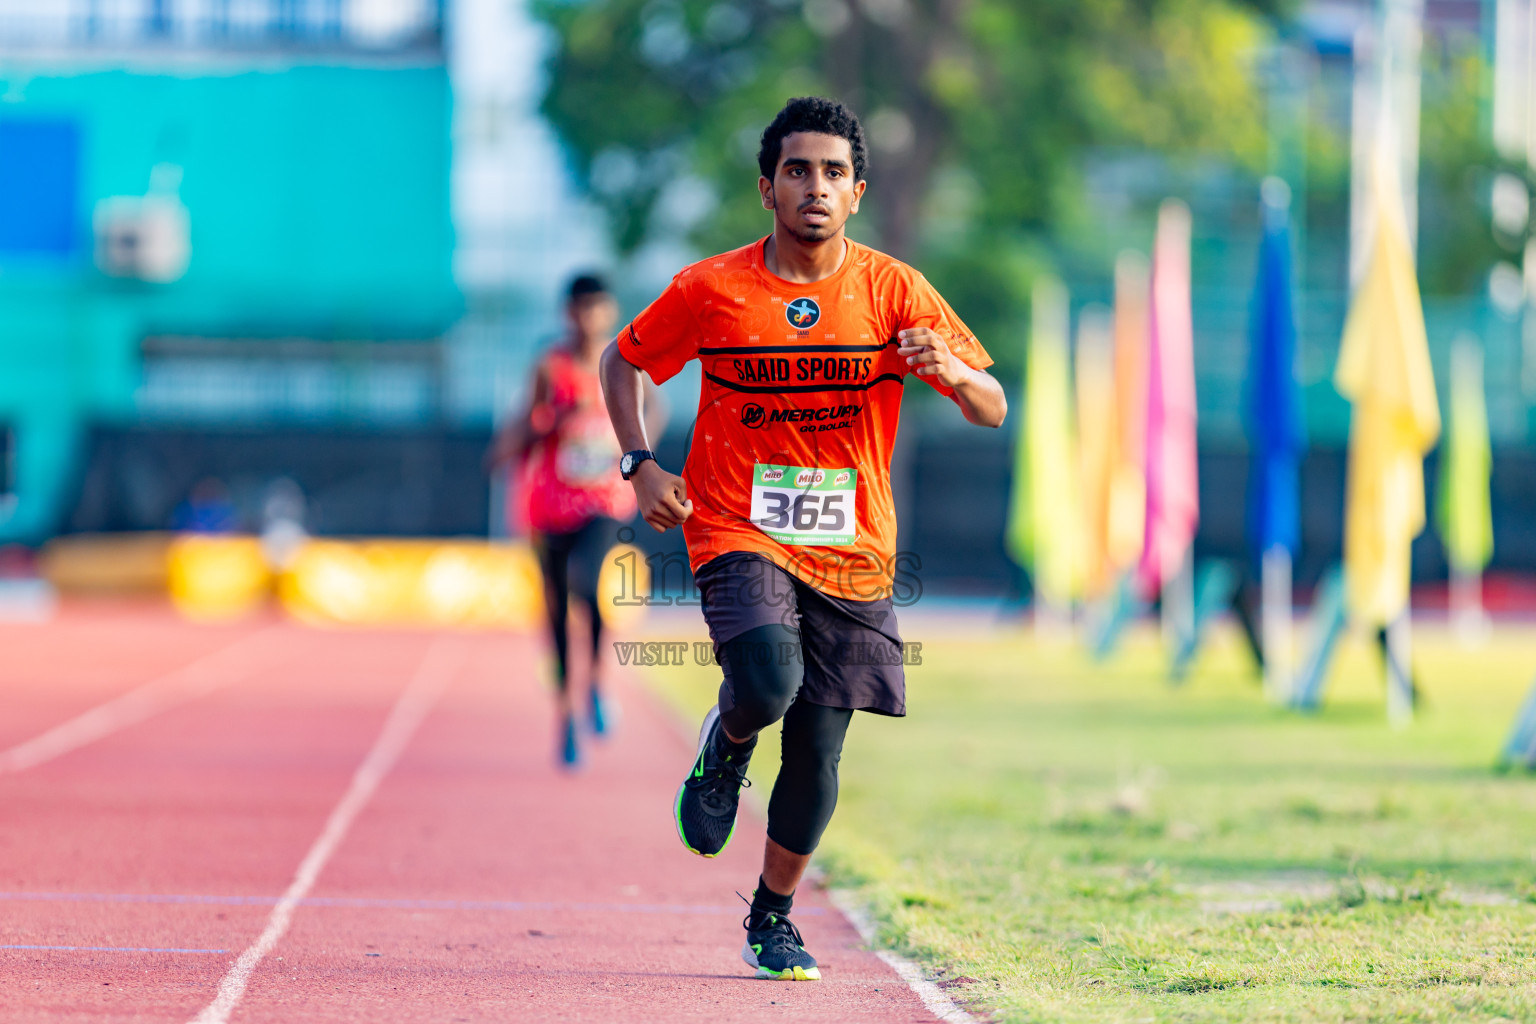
{"x": 977, "y": 112}
{"x": 1457, "y": 245}
{"x": 1457, "y": 162}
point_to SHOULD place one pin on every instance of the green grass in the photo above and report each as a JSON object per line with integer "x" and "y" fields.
{"x": 1088, "y": 844}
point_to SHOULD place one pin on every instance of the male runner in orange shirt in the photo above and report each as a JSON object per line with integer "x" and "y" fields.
{"x": 785, "y": 498}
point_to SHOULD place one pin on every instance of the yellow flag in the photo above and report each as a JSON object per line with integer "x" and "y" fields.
{"x": 1466, "y": 514}
{"x": 1385, "y": 373}
{"x": 1044, "y": 531}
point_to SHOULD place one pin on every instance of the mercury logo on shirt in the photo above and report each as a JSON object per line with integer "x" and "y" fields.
{"x": 808, "y": 420}
{"x": 822, "y": 417}
{"x": 815, "y": 414}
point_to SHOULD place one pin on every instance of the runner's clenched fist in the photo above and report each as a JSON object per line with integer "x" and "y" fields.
{"x": 929, "y": 355}
{"x": 662, "y": 496}
{"x": 979, "y": 396}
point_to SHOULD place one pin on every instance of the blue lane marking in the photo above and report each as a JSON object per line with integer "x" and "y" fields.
{"x": 364, "y": 902}
{"x": 118, "y": 949}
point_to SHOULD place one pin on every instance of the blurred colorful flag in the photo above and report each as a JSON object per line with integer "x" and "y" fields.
{"x": 1128, "y": 485}
{"x": 1173, "y": 502}
{"x": 1098, "y": 443}
{"x": 1276, "y": 430}
{"x": 1385, "y": 373}
{"x": 1044, "y": 532}
{"x": 1465, "y": 515}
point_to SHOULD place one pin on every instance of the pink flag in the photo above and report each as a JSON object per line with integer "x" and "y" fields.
{"x": 1173, "y": 500}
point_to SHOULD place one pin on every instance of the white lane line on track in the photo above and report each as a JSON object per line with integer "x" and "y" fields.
{"x": 442, "y": 660}
{"x": 939, "y": 1004}
{"x": 229, "y": 664}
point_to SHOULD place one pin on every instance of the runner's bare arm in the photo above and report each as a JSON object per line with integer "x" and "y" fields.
{"x": 662, "y": 497}
{"x": 980, "y": 396}
{"x": 656, "y": 409}
{"x": 521, "y": 433}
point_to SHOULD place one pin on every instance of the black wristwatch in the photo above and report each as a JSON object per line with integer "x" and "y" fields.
{"x": 631, "y": 461}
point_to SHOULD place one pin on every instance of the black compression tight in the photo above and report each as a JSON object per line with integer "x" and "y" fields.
{"x": 762, "y": 678}
{"x": 571, "y": 563}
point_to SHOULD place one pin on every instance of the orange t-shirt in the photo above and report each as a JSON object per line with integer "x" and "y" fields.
{"x": 797, "y": 415}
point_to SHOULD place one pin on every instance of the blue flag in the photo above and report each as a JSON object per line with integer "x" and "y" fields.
{"x": 1276, "y": 430}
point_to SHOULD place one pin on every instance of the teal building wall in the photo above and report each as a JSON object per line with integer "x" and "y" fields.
{"x": 318, "y": 199}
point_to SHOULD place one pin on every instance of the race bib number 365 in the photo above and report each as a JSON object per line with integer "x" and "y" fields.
{"x": 805, "y": 505}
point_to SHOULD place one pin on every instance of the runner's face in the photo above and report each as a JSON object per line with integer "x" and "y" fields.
{"x": 813, "y": 191}
{"x": 593, "y": 316}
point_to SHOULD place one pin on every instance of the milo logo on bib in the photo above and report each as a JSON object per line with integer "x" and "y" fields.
{"x": 805, "y": 504}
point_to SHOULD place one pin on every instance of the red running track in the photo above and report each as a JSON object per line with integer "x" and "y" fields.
{"x": 478, "y": 883}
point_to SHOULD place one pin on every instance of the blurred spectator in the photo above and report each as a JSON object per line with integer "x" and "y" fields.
{"x": 282, "y": 522}
{"x": 17, "y": 561}
{"x": 208, "y": 509}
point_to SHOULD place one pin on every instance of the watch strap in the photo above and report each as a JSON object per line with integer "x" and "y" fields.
{"x": 634, "y": 458}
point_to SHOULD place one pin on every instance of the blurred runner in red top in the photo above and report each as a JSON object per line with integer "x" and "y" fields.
{"x": 805, "y": 339}
{"x": 568, "y": 489}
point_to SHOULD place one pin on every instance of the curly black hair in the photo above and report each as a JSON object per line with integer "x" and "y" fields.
{"x": 812, "y": 114}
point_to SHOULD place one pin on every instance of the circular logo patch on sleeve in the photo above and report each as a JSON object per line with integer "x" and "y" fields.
{"x": 802, "y": 314}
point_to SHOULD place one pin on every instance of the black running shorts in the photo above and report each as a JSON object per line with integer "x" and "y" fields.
{"x": 851, "y": 650}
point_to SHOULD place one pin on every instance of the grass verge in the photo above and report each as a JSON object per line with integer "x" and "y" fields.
{"x": 1066, "y": 841}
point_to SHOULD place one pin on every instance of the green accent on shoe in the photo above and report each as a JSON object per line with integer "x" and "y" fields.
{"x": 677, "y": 820}
{"x": 788, "y": 959}
{"x": 795, "y": 973}
{"x": 698, "y": 780}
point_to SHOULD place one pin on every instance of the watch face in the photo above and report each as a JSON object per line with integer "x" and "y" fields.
{"x": 627, "y": 464}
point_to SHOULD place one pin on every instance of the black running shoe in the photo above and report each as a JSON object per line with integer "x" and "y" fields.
{"x": 775, "y": 948}
{"x": 705, "y": 809}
